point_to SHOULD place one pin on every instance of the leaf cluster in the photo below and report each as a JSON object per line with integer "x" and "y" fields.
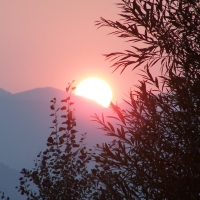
{"x": 164, "y": 32}
{"x": 156, "y": 148}
{"x": 2, "y": 196}
{"x": 60, "y": 171}
{"x": 155, "y": 152}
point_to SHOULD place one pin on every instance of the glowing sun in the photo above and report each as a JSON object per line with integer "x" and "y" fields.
{"x": 95, "y": 89}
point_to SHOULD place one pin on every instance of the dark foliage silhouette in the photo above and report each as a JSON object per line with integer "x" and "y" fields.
{"x": 60, "y": 171}
{"x": 155, "y": 152}
{"x": 2, "y": 196}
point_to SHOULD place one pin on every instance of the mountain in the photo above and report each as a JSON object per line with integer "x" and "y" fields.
{"x": 24, "y": 128}
{"x": 40, "y": 94}
{"x": 4, "y": 94}
{"x": 9, "y": 179}
{"x": 25, "y": 121}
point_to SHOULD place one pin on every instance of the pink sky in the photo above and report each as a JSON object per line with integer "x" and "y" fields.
{"x": 52, "y": 42}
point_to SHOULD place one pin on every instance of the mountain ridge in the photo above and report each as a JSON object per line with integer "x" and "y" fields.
{"x": 25, "y": 121}
{"x": 9, "y": 179}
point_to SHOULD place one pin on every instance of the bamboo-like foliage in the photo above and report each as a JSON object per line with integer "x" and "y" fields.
{"x": 155, "y": 152}
{"x": 169, "y": 30}
{"x": 60, "y": 171}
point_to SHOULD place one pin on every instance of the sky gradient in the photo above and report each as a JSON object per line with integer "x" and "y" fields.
{"x": 50, "y": 43}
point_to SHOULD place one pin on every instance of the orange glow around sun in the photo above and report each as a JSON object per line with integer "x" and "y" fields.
{"x": 95, "y": 89}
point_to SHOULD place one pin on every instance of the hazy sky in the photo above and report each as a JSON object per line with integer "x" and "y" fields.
{"x": 52, "y": 42}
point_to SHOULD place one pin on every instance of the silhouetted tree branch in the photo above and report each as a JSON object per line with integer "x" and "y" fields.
{"x": 155, "y": 152}
{"x": 60, "y": 171}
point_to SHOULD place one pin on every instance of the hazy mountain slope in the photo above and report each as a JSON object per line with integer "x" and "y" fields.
{"x": 24, "y": 128}
{"x": 4, "y": 94}
{"x": 9, "y": 179}
{"x": 23, "y": 131}
{"x": 25, "y": 122}
{"x": 40, "y": 94}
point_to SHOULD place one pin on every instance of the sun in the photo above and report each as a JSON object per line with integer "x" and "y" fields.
{"x": 95, "y": 89}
